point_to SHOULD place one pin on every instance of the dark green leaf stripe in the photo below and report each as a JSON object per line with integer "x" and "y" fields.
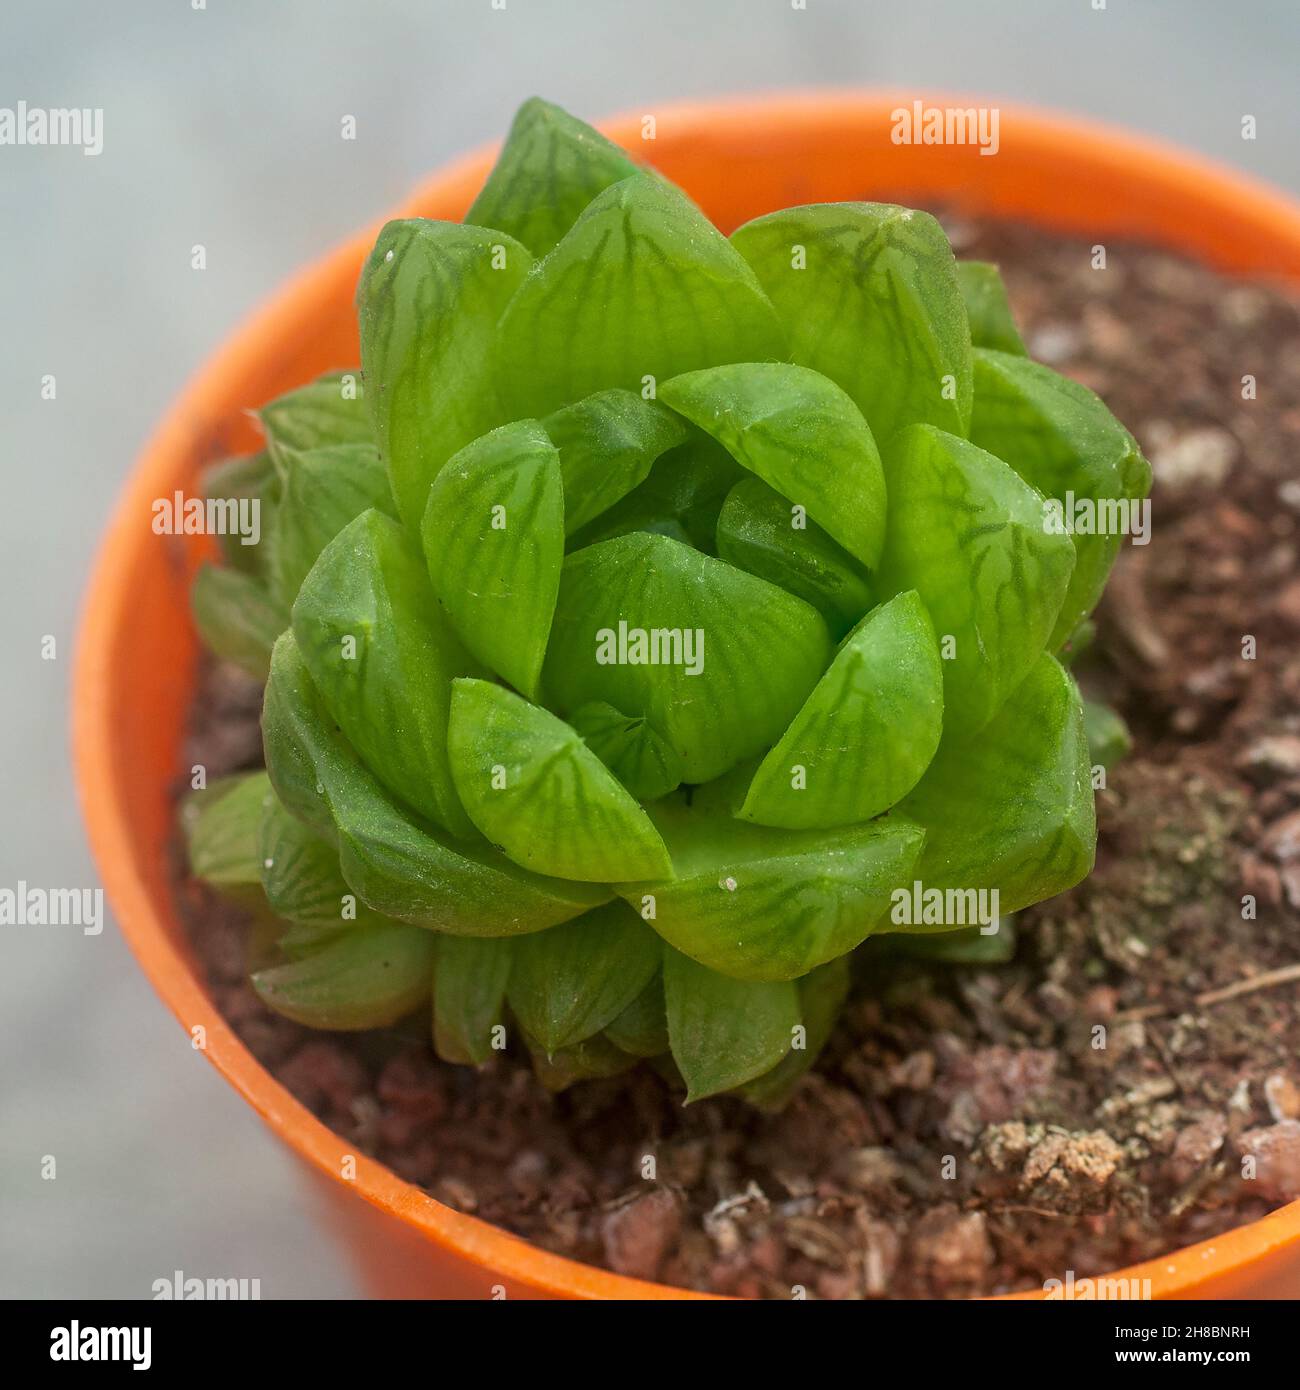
{"x": 568, "y": 983}
{"x": 607, "y": 443}
{"x": 761, "y": 532}
{"x": 367, "y": 978}
{"x": 397, "y": 864}
{"x": 802, "y": 435}
{"x": 550, "y": 167}
{"x": 1012, "y": 809}
{"x": 681, "y": 498}
{"x": 469, "y": 996}
{"x": 331, "y": 410}
{"x": 868, "y": 294}
{"x": 738, "y": 656}
{"x": 725, "y": 1032}
{"x": 643, "y": 287}
{"x": 639, "y": 756}
{"x": 383, "y": 656}
{"x": 966, "y": 532}
{"x": 865, "y": 734}
{"x": 1063, "y": 441}
{"x": 236, "y": 617}
{"x": 326, "y": 488}
{"x": 765, "y": 904}
{"x": 429, "y": 298}
{"x": 301, "y": 875}
{"x": 493, "y": 535}
{"x": 533, "y": 787}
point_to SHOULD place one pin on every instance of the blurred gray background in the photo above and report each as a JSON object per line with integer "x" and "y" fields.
{"x": 222, "y": 126}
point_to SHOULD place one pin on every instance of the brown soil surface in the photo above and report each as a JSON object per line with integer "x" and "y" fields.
{"x": 971, "y": 1130}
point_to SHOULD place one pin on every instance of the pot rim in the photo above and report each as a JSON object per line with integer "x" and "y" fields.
{"x": 1264, "y": 238}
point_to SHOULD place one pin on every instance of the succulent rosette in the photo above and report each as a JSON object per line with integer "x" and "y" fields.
{"x": 663, "y": 607}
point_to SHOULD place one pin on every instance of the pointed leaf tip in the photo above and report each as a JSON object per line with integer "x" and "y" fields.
{"x": 533, "y": 786}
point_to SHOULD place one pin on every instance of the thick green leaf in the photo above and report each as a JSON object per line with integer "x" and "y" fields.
{"x": 414, "y": 874}
{"x": 382, "y": 654}
{"x": 963, "y": 946}
{"x": 566, "y": 984}
{"x": 865, "y": 734}
{"x": 1012, "y": 809}
{"x": 469, "y": 991}
{"x": 802, "y": 435}
{"x": 680, "y": 499}
{"x": 642, "y": 286}
{"x": 1063, "y": 441}
{"x": 301, "y": 875}
{"x": 429, "y": 299}
{"x": 331, "y": 410}
{"x": 493, "y": 535}
{"x": 1108, "y": 737}
{"x": 607, "y": 444}
{"x": 221, "y": 825}
{"x": 765, "y": 904}
{"x": 717, "y": 660}
{"x": 822, "y": 993}
{"x": 298, "y": 940}
{"x": 251, "y": 479}
{"x": 365, "y": 978}
{"x": 247, "y": 475}
{"x": 725, "y": 1032}
{"x": 532, "y": 786}
{"x": 638, "y": 756}
{"x": 1077, "y": 644}
{"x": 324, "y": 490}
{"x": 585, "y": 1061}
{"x": 868, "y": 294}
{"x": 760, "y": 532}
{"x": 235, "y": 617}
{"x": 966, "y": 532}
{"x": 642, "y": 1028}
{"x": 400, "y": 866}
{"x": 550, "y": 167}
{"x": 988, "y": 309}
{"x": 297, "y": 735}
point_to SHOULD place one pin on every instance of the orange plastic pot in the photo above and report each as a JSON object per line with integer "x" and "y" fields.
{"x": 136, "y": 654}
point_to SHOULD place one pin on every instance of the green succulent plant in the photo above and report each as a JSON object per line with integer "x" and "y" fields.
{"x": 663, "y": 607}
